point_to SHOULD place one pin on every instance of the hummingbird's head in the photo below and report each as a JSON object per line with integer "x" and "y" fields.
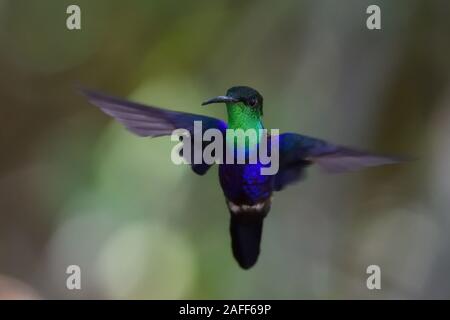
{"x": 241, "y": 97}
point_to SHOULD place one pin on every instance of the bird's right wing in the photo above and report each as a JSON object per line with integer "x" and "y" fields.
{"x": 147, "y": 121}
{"x": 298, "y": 151}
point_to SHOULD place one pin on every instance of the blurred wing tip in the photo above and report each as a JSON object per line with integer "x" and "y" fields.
{"x": 401, "y": 159}
{"x": 91, "y": 94}
{"x": 332, "y": 164}
{"x": 84, "y": 91}
{"x": 396, "y": 159}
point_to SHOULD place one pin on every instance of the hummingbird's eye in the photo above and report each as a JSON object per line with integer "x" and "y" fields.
{"x": 252, "y": 102}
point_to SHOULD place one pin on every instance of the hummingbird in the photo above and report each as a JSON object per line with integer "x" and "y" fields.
{"x": 248, "y": 193}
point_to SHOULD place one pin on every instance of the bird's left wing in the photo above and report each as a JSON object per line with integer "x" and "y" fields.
{"x": 298, "y": 151}
{"x": 147, "y": 121}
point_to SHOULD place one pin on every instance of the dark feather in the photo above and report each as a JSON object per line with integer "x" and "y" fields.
{"x": 246, "y": 231}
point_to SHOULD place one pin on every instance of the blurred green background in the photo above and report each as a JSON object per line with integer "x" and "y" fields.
{"x": 77, "y": 188}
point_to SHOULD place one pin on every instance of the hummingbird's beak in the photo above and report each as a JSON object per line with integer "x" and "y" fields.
{"x": 220, "y": 99}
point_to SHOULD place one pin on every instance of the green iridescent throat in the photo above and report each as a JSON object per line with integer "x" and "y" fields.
{"x": 243, "y": 117}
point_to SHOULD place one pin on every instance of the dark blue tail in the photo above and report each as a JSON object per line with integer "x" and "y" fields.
{"x": 246, "y": 234}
